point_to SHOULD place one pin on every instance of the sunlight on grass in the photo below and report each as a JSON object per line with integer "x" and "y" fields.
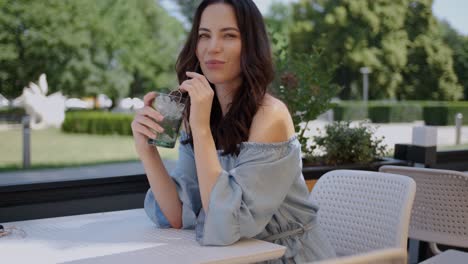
{"x": 53, "y": 148}
{"x": 453, "y": 147}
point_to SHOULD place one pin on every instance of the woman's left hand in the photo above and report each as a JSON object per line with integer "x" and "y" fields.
{"x": 201, "y": 98}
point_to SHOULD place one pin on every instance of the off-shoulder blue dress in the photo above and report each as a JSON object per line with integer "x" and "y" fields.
{"x": 261, "y": 193}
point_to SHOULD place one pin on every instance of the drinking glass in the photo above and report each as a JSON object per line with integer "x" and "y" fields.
{"x": 171, "y": 107}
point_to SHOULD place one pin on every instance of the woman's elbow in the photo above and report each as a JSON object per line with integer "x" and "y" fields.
{"x": 176, "y": 224}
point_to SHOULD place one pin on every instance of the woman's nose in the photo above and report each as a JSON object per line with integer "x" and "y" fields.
{"x": 215, "y": 45}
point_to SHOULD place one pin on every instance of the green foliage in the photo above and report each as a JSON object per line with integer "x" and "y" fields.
{"x": 459, "y": 45}
{"x": 85, "y": 47}
{"x": 437, "y": 113}
{"x": 443, "y": 113}
{"x": 359, "y": 142}
{"x": 279, "y": 22}
{"x": 96, "y": 122}
{"x": 303, "y": 84}
{"x": 395, "y": 112}
{"x": 12, "y": 111}
{"x": 12, "y": 114}
{"x": 302, "y": 80}
{"x": 429, "y": 74}
{"x": 345, "y": 111}
{"x": 399, "y": 40}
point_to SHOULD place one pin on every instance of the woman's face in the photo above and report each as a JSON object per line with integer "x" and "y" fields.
{"x": 219, "y": 45}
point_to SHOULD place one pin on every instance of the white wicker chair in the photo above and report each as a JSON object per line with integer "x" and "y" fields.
{"x": 440, "y": 211}
{"x": 365, "y": 215}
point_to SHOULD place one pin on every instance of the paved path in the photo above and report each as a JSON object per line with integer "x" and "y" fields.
{"x": 402, "y": 132}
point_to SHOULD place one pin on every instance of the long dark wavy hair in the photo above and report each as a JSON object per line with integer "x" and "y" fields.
{"x": 256, "y": 70}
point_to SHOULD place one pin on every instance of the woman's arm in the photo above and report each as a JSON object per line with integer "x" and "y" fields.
{"x": 207, "y": 163}
{"x": 206, "y": 158}
{"x": 162, "y": 186}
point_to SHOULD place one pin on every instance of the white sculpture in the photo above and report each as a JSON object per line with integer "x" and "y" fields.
{"x": 76, "y": 103}
{"x": 45, "y": 111}
{"x": 129, "y": 104}
{"x": 4, "y": 103}
{"x": 103, "y": 101}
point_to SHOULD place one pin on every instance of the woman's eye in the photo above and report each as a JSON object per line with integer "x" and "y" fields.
{"x": 230, "y": 36}
{"x": 203, "y": 36}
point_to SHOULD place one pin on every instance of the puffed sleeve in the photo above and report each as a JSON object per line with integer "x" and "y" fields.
{"x": 244, "y": 199}
{"x": 184, "y": 176}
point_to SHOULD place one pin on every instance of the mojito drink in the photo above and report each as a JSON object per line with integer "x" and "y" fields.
{"x": 172, "y": 109}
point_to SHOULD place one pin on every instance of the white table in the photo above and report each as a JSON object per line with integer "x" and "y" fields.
{"x": 119, "y": 237}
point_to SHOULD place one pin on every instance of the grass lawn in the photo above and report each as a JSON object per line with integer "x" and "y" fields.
{"x": 453, "y": 147}
{"x": 53, "y": 148}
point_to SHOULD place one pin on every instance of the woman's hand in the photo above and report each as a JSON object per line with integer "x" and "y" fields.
{"x": 144, "y": 122}
{"x": 201, "y": 98}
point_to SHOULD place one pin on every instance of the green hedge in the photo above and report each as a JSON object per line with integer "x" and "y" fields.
{"x": 347, "y": 111}
{"x": 443, "y": 114}
{"x": 395, "y": 112}
{"x": 12, "y": 114}
{"x": 12, "y": 111}
{"x": 435, "y": 113}
{"x": 96, "y": 122}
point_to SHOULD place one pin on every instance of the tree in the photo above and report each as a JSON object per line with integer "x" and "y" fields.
{"x": 429, "y": 73}
{"x": 86, "y": 46}
{"x": 279, "y": 22}
{"x": 387, "y": 36}
{"x": 459, "y": 44}
{"x": 302, "y": 81}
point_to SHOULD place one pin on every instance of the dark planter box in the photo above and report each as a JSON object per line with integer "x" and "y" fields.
{"x": 36, "y": 194}
{"x": 315, "y": 172}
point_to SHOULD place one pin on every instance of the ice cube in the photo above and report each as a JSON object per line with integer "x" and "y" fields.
{"x": 165, "y": 137}
{"x": 168, "y": 107}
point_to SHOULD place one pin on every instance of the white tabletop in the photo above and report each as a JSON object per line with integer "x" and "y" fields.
{"x": 119, "y": 237}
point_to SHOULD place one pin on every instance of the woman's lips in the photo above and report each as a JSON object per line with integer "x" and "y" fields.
{"x": 214, "y": 64}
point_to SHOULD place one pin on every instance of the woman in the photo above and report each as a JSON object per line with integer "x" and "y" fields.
{"x": 239, "y": 168}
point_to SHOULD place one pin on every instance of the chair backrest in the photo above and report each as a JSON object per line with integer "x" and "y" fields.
{"x": 362, "y": 211}
{"x": 440, "y": 211}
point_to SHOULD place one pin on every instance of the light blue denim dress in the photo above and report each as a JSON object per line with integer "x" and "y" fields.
{"x": 261, "y": 193}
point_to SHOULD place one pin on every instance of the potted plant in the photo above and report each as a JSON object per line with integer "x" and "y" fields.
{"x": 346, "y": 146}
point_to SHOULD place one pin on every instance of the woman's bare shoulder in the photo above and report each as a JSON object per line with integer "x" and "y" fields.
{"x": 272, "y": 122}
